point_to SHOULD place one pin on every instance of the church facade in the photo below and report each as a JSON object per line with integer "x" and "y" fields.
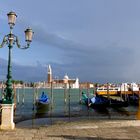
{"x": 66, "y": 82}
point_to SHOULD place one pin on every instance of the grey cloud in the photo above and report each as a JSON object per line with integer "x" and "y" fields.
{"x": 103, "y": 63}
{"x": 42, "y": 36}
{"x": 106, "y": 62}
{"x": 95, "y": 63}
{"x": 21, "y": 72}
{"x": 100, "y": 65}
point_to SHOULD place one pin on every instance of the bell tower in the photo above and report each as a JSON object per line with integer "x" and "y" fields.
{"x": 49, "y": 74}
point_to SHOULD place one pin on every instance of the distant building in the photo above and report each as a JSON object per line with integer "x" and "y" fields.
{"x": 49, "y": 74}
{"x": 66, "y": 82}
{"x": 86, "y": 85}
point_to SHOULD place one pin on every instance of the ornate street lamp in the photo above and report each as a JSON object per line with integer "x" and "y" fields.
{"x": 11, "y": 40}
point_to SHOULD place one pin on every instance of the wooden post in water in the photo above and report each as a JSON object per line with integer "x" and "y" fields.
{"x": 17, "y": 95}
{"x": 108, "y": 94}
{"x": 138, "y": 112}
{"x": 69, "y": 99}
{"x": 94, "y": 90}
{"x": 37, "y": 94}
{"x": 70, "y": 81}
{"x": 34, "y": 92}
{"x": 80, "y": 93}
{"x": 65, "y": 81}
{"x": 88, "y": 99}
{"x": 51, "y": 96}
{"x": 65, "y": 93}
{"x": 133, "y": 92}
{"x": 65, "y": 98}
{"x": 139, "y": 97}
{"x": 23, "y": 93}
{"x": 121, "y": 93}
{"x": 125, "y": 92}
{"x": 34, "y": 100}
{"x": 80, "y": 99}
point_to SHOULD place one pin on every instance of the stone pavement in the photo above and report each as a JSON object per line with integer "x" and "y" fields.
{"x": 81, "y": 130}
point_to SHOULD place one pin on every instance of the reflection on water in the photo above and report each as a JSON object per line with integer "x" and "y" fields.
{"x": 65, "y": 104}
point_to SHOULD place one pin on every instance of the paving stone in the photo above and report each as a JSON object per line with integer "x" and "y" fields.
{"x": 127, "y": 130}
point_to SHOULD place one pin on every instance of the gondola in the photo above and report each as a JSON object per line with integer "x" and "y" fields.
{"x": 133, "y": 99}
{"x": 114, "y": 103}
{"x": 100, "y": 103}
{"x": 103, "y": 102}
{"x": 42, "y": 104}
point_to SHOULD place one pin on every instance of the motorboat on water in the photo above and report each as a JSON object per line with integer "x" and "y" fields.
{"x": 105, "y": 90}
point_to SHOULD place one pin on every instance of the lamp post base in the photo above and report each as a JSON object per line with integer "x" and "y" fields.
{"x": 7, "y": 117}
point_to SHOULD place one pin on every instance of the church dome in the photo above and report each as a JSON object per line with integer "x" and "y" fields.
{"x": 66, "y": 77}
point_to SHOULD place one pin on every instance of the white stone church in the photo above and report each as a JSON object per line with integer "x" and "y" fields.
{"x": 66, "y": 82}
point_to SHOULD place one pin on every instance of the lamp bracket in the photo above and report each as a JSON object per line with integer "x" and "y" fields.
{"x": 12, "y": 39}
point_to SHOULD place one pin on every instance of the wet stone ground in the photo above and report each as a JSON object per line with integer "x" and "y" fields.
{"x": 78, "y": 130}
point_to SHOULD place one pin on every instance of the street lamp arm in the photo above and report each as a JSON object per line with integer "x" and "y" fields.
{"x": 3, "y": 42}
{"x": 17, "y": 42}
{"x": 19, "y": 46}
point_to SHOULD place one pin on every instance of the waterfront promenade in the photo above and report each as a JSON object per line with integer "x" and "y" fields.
{"x": 81, "y": 130}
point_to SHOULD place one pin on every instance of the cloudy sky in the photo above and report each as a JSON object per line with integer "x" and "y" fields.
{"x": 94, "y": 40}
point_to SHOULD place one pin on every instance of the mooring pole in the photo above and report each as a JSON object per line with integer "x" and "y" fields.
{"x": 69, "y": 99}
{"x": 18, "y": 96}
{"x": 108, "y": 94}
{"x": 65, "y": 99}
{"x": 51, "y": 96}
{"x": 34, "y": 90}
{"x": 88, "y": 100}
{"x": 80, "y": 95}
{"x": 23, "y": 94}
{"x": 65, "y": 93}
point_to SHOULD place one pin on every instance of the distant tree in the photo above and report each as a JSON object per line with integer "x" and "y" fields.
{"x": 17, "y": 82}
{"x": 32, "y": 84}
{"x": 21, "y": 82}
{"x": 96, "y": 84}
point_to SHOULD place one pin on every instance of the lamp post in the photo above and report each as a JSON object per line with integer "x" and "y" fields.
{"x": 11, "y": 40}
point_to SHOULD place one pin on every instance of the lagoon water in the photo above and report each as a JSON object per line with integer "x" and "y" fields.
{"x": 64, "y": 106}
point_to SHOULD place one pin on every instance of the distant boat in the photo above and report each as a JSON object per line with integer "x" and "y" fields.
{"x": 42, "y": 104}
{"x": 105, "y": 90}
{"x": 124, "y": 88}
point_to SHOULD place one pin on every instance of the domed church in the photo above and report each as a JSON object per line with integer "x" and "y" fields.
{"x": 66, "y": 82}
